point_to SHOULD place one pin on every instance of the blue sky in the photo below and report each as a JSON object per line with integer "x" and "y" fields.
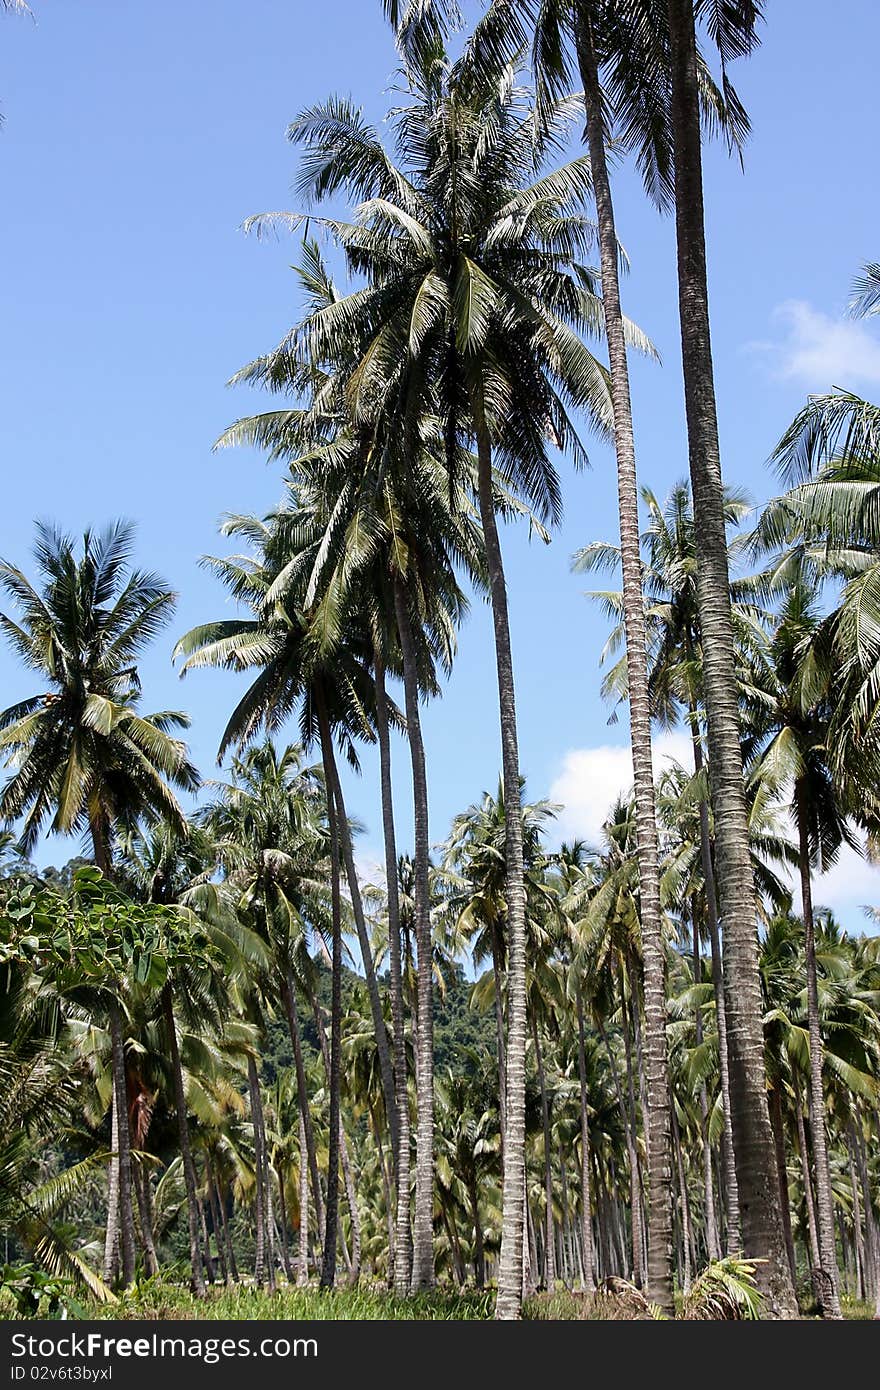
{"x": 137, "y": 139}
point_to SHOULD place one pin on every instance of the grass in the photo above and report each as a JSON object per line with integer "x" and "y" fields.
{"x": 367, "y": 1303}
{"x": 155, "y": 1300}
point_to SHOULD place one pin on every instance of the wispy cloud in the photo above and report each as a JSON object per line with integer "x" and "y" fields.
{"x": 820, "y": 351}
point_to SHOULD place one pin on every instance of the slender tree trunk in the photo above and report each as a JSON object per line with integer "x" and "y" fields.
{"x": 497, "y": 977}
{"x": 549, "y": 1252}
{"x": 347, "y": 1175}
{"x": 100, "y": 832}
{"x": 227, "y": 1236}
{"x": 402, "y": 1247}
{"x": 189, "y": 1172}
{"x": 753, "y": 1140}
{"x": 343, "y": 833}
{"x": 589, "y": 1277}
{"x": 423, "y": 1224}
{"x": 809, "y": 1201}
{"x": 335, "y": 814}
{"x": 288, "y": 998}
{"x": 303, "y": 1275}
{"x": 510, "y": 1266}
{"x": 387, "y": 1192}
{"x": 858, "y": 1239}
{"x": 206, "y": 1245}
{"x": 282, "y": 1222}
{"x": 657, "y": 1134}
{"x": 635, "y": 1185}
{"x": 713, "y": 1244}
{"x": 731, "y": 1192}
{"x": 454, "y": 1247}
{"x": 479, "y": 1240}
{"x": 687, "y": 1234}
{"x": 775, "y": 1103}
{"x": 149, "y": 1217}
{"x": 219, "y": 1234}
{"x": 830, "y": 1291}
{"x": 111, "y": 1237}
{"x": 140, "y": 1179}
{"x": 260, "y": 1256}
{"x": 126, "y": 1214}
{"x": 872, "y": 1233}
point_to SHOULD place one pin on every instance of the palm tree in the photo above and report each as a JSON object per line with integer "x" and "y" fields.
{"x": 474, "y": 297}
{"x": 317, "y": 657}
{"x": 735, "y": 34}
{"x": 268, "y": 828}
{"x": 796, "y": 700}
{"x": 670, "y": 561}
{"x": 82, "y": 754}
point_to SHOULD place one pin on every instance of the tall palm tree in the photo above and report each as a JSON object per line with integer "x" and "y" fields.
{"x": 316, "y": 657}
{"x": 83, "y": 756}
{"x": 595, "y": 42}
{"x": 670, "y": 561}
{"x": 796, "y": 698}
{"x": 733, "y": 29}
{"x": 475, "y": 294}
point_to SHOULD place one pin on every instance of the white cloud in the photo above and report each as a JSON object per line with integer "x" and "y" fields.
{"x": 850, "y": 885}
{"x": 592, "y": 778}
{"x": 819, "y": 350}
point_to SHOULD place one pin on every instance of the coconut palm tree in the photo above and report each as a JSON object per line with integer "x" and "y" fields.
{"x": 85, "y": 760}
{"x": 734, "y": 31}
{"x": 796, "y": 698}
{"x": 473, "y": 300}
{"x": 318, "y": 658}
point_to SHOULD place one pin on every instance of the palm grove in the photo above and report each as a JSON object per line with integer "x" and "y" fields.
{"x": 238, "y": 1052}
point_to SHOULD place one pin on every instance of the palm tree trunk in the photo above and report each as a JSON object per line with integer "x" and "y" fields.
{"x": 335, "y": 813}
{"x": 288, "y": 998}
{"x": 775, "y": 1103}
{"x": 653, "y": 955}
{"x": 734, "y": 1239}
{"x": 189, "y": 1172}
{"x": 141, "y": 1181}
{"x": 303, "y": 1275}
{"x": 829, "y": 1281}
{"x": 858, "y": 1238}
{"x": 123, "y": 1131}
{"x": 479, "y": 1238}
{"x": 497, "y": 975}
{"x": 111, "y": 1236}
{"x": 101, "y": 844}
{"x": 231, "y": 1262}
{"x": 589, "y": 1277}
{"x": 628, "y": 1122}
{"x": 343, "y": 834}
{"x": 713, "y": 1245}
{"x": 809, "y": 1200}
{"x": 687, "y": 1234}
{"x": 549, "y": 1252}
{"x": 872, "y": 1232}
{"x": 423, "y": 1224}
{"x": 214, "y": 1206}
{"x": 402, "y": 1248}
{"x": 753, "y": 1140}
{"x": 510, "y": 1266}
{"x": 347, "y": 1175}
{"x": 264, "y": 1258}
{"x": 206, "y": 1245}
{"x": 282, "y": 1222}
